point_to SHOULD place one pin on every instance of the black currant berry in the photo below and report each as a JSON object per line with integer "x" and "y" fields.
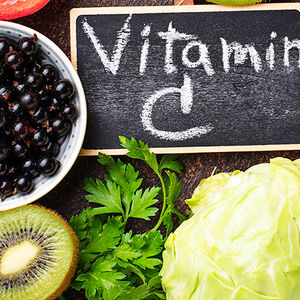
{"x": 40, "y": 138}
{"x": 52, "y": 148}
{"x": 6, "y": 92}
{"x": 20, "y": 87}
{"x": 6, "y": 188}
{"x": 63, "y": 89}
{"x": 18, "y": 74}
{"x": 23, "y": 184}
{"x": 48, "y": 165}
{"x": 44, "y": 95}
{"x": 4, "y": 46}
{"x": 28, "y": 46}
{"x": 33, "y": 80}
{"x": 69, "y": 110}
{"x": 39, "y": 115}
{"x": 13, "y": 60}
{"x": 29, "y": 166}
{"x": 59, "y": 126}
{"x": 29, "y": 100}
{"x": 21, "y": 129}
{"x": 49, "y": 73}
{"x": 15, "y": 109}
{"x": 19, "y": 149}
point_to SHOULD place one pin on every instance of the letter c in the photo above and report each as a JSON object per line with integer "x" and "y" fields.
{"x": 186, "y": 102}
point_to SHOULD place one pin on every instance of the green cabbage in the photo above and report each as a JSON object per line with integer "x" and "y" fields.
{"x": 243, "y": 240}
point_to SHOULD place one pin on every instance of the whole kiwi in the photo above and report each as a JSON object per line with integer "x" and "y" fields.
{"x": 235, "y": 2}
{"x": 38, "y": 254}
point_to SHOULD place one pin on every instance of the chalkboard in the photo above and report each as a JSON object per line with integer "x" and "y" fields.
{"x": 190, "y": 79}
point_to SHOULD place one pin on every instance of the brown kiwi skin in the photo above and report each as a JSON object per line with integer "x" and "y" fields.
{"x": 65, "y": 284}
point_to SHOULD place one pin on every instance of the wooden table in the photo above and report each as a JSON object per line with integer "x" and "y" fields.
{"x": 68, "y": 197}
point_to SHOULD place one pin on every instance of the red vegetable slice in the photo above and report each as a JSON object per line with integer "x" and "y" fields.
{"x": 12, "y": 9}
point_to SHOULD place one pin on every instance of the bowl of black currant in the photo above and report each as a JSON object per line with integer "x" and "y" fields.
{"x": 42, "y": 115}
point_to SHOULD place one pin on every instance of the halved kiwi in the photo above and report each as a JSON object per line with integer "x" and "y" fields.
{"x": 38, "y": 254}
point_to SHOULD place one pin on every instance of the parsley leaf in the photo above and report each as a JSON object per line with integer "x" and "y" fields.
{"x": 142, "y": 203}
{"x": 173, "y": 187}
{"x": 115, "y": 264}
{"x": 144, "y": 291}
{"x": 107, "y": 195}
{"x": 168, "y": 221}
{"x": 119, "y": 193}
{"x": 170, "y": 162}
{"x": 124, "y": 176}
{"x": 101, "y": 277}
{"x": 140, "y": 150}
{"x": 149, "y": 244}
{"x": 79, "y": 224}
{"x": 107, "y": 239}
{"x": 125, "y": 252}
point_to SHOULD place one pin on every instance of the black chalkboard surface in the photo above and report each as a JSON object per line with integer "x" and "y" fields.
{"x": 190, "y": 79}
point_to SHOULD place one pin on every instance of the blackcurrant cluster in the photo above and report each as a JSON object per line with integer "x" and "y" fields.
{"x": 36, "y": 114}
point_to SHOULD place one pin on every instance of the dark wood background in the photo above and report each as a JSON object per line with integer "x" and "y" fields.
{"x": 68, "y": 197}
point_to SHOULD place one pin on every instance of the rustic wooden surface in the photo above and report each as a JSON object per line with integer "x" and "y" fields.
{"x": 68, "y": 197}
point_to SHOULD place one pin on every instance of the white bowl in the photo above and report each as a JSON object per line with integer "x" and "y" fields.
{"x": 72, "y": 145}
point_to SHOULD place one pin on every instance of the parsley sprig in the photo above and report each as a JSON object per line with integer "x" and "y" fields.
{"x": 170, "y": 185}
{"x": 113, "y": 263}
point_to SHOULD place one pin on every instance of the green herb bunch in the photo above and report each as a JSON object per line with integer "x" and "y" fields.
{"x": 113, "y": 263}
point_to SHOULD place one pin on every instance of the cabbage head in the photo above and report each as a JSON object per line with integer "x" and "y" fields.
{"x": 243, "y": 239}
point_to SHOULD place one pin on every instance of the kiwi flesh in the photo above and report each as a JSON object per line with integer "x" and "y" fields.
{"x": 38, "y": 254}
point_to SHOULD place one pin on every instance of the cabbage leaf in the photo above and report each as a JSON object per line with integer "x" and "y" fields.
{"x": 243, "y": 239}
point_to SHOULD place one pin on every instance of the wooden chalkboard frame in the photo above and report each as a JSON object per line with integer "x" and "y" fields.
{"x": 183, "y": 2}
{"x": 74, "y": 13}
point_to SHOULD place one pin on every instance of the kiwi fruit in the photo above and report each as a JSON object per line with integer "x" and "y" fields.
{"x": 235, "y": 2}
{"x": 38, "y": 254}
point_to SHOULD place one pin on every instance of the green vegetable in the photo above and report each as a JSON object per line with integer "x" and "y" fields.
{"x": 114, "y": 263}
{"x": 243, "y": 240}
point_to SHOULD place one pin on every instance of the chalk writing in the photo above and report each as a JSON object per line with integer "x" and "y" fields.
{"x": 123, "y": 35}
{"x": 145, "y": 49}
{"x": 186, "y": 99}
{"x": 202, "y": 60}
{"x": 270, "y": 52}
{"x": 288, "y": 45}
{"x": 240, "y": 52}
{"x": 171, "y": 36}
{"x": 240, "y": 55}
{"x": 233, "y": 54}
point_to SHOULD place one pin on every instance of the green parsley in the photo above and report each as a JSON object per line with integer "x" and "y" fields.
{"x": 113, "y": 263}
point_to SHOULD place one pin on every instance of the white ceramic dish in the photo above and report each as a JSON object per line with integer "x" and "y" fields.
{"x": 72, "y": 145}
